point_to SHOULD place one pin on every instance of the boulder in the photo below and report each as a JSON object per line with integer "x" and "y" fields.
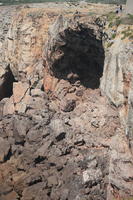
{"x": 9, "y": 106}
{"x": 19, "y": 91}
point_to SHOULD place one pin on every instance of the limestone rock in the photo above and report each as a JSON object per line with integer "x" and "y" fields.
{"x": 4, "y": 149}
{"x": 24, "y": 43}
{"x": 19, "y": 91}
{"x": 37, "y": 93}
{"x": 8, "y": 106}
{"x": 117, "y": 83}
{"x": 66, "y": 142}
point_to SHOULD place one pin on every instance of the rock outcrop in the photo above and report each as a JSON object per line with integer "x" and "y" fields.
{"x": 64, "y": 140}
{"x": 6, "y": 77}
{"x": 117, "y": 81}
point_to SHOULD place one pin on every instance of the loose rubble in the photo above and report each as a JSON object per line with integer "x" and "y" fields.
{"x": 60, "y": 137}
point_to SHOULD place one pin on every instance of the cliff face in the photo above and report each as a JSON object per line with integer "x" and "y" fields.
{"x": 25, "y": 41}
{"x": 5, "y": 21}
{"x": 60, "y": 136}
{"x": 117, "y": 82}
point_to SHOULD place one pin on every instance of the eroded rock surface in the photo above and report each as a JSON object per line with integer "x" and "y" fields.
{"x": 60, "y": 139}
{"x": 6, "y": 76}
{"x": 117, "y": 81}
{"x": 65, "y": 156}
{"x": 74, "y": 51}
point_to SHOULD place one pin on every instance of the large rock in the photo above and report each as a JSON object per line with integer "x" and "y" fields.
{"x": 19, "y": 91}
{"x": 117, "y": 82}
{"x": 8, "y": 107}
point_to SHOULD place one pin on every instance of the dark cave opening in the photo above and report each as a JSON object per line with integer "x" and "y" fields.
{"x": 80, "y": 58}
{"x": 6, "y": 89}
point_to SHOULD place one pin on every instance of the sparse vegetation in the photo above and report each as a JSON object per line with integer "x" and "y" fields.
{"x": 118, "y": 21}
{"x": 113, "y": 19}
{"x": 35, "y": 15}
{"x": 128, "y": 33}
{"x": 110, "y": 16}
{"x": 113, "y": 35}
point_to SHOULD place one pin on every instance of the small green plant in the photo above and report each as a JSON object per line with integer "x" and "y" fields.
{"x": 111, "y": 24}
{"x": 113, "y": 35}
{"x": 113, "y": 20}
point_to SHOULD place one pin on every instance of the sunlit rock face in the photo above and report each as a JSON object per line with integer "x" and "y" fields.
{"x": 117, "y": 81}
{"x": 129, "y": 7}
{"x": 60, "y": 137}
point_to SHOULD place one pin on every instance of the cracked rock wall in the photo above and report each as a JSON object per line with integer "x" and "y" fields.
{"x": 67, "y": 142}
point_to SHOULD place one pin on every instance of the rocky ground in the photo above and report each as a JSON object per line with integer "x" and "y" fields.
{"x": 65, "y": 117}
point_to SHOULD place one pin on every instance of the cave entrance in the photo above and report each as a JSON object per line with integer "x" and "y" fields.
{"x": 6, "y": 89}
{"x": 81, "y": 57}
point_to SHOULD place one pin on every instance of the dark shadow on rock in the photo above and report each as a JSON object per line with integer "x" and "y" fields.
{"x": 78, "y": 54}
{"x": 6, "y": 89}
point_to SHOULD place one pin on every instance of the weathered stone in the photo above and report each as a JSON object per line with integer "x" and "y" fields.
{"x": 92, "y": 176}
{"x": 12, "y": 195}
{"x": 21, "y": 125}
{"x": 117, "y": 83}
{"x": 8, "y": 106}
{"x": 35, "y": 191}
{"x": 37, "y": 92}
{"x": 57, "y": 128}
{"x": 68, "y": 105}
{"x": 52, "y": 180}
{"x": 5, "y": 189}
{"x": 80, "y": 153}
{"x": 19, "y": 91}
{"x": 42, "y": 151}
{"x": 4, "y": 149}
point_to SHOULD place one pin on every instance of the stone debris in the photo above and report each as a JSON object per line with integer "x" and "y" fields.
{"x": 61, "y": 138}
